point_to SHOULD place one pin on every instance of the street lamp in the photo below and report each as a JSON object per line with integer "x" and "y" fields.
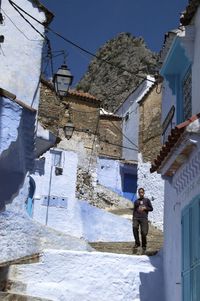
{"x": 68, "y": 129}
{"x": 62, "y": 80}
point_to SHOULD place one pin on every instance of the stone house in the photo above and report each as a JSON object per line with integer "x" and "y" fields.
{"x": 97, "y": 137}
{"x": 112, "y": 171}
{"x": 90, "y": 122}
{"x": 19, "y": 98}
{"x": 141, "y": 114}
{"x": 61, "y": 173}
{"x": 110, "y": 135}
{"x": 179, "y": 159}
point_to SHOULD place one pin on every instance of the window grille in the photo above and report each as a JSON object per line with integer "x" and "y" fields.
{"x": 187, "y": 95}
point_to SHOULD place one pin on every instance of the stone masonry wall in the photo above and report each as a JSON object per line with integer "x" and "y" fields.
{"x": 110, "y": 137}
{"x": 53, "y": 113}
{"x": 150, "y": 125}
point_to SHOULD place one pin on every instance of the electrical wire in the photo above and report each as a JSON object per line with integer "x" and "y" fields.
{"x": 18, "y": 9}
{"x": 126, "y": 147}
{"x": 123, "y": 134}
{"x": 50, "y": 57}
{"x": 105, "y": 141}
{"x": 19, "y": 28}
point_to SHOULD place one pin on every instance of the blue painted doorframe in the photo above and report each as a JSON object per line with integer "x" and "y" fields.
{"x": 191, "y": 251}
{"x": 30, "y": 201}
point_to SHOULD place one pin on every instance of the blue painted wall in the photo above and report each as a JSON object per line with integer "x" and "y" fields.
{"x": 174, "y": 69}
{"x": 118, "y": 177}
{"x": 16, "y": 148}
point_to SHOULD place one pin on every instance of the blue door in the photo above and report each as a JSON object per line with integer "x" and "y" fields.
{"x": 191, "y": 251}
{"x": 130, "y": 186}
{"x": 30, "y": 201}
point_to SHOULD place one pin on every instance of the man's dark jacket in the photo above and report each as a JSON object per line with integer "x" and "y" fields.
{"x": 142, "y": 202}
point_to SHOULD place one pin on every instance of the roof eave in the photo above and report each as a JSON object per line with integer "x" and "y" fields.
{"x": 190, "y": 12}
{"x": 49, "y": 15}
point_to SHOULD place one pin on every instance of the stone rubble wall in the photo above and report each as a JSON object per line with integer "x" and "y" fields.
{"x": 98, "y": 195}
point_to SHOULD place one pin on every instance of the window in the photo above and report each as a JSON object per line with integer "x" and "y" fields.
{"x": 187, "y": 95}
{"x": 56, "y": 158}
{"x": 127, "y": 116}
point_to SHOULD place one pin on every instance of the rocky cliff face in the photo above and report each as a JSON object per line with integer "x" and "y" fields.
{"x": 128, "y": 61}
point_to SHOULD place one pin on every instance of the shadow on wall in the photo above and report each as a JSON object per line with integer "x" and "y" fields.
{"x": 152, "y": 284}
{"x": 17, "y": 160}
{"x": 4, "y": 278}
{"x": 39, "y": 166}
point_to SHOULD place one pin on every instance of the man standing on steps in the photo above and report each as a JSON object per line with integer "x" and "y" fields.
{"x": 140, "y": 219}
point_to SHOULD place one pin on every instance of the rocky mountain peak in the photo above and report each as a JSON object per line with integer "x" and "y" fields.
{"x": 122, "y": 63}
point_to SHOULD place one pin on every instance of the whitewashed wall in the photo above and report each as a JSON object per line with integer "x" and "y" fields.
{"x": 108, "y": 174}
{"x": 154, "y": 190}
{"x": 21, "y": 52}
{"x": 196, "y": 66}
{"x": 91, "y": 276}
{"x": 48, "y": 184}
{"x": 185, "y": 185}
{"x": 65, "y": 214}
{"x": 179, "y": 192}
{"x": 82, "y": 145}
{"x": 131, "y": 125}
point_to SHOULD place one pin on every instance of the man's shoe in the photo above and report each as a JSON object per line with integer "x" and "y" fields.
{"x": 136, "y": 246}
{"x": 143, "y": 250}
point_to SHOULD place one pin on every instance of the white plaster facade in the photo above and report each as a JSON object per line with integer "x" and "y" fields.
{"x": 75, "y": 276}
{"x": 55, "y": 204}
{"x": 180, "y": 190}
{"x": 129, "y": 110}
{"x": 183, "y": 186}
{"x": 20, "y": 64}
{"x": 20, "y": 71}
{"x": 108, "y": 174}
{"x": 154, "y": 190}
{"x": 196, "y": 65}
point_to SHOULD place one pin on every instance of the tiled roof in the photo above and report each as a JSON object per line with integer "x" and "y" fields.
{"x": 82, "y": 94}
{"x": 12, "y": 97}
{"x": 189, "y": 12}
{"x": 172, "y": 140}
{"x": 71, "y": 92}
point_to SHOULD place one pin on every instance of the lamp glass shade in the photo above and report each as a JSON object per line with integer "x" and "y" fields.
{"x": 68, "y": 129}
{"x": 62, "y": 80}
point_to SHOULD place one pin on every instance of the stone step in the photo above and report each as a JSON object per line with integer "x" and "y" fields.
{"x": 19, "y": 297}
{"x": 124, "y": 248}
{"x": 80, "y": 275}
{"x": 154, "y": 243}
{"x": 22, "y": 260}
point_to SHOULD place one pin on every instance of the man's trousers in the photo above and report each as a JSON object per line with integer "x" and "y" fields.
{"x": 144, "y": 227}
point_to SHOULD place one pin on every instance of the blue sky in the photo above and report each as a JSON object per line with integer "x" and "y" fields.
{"x": 90, "y": 23}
